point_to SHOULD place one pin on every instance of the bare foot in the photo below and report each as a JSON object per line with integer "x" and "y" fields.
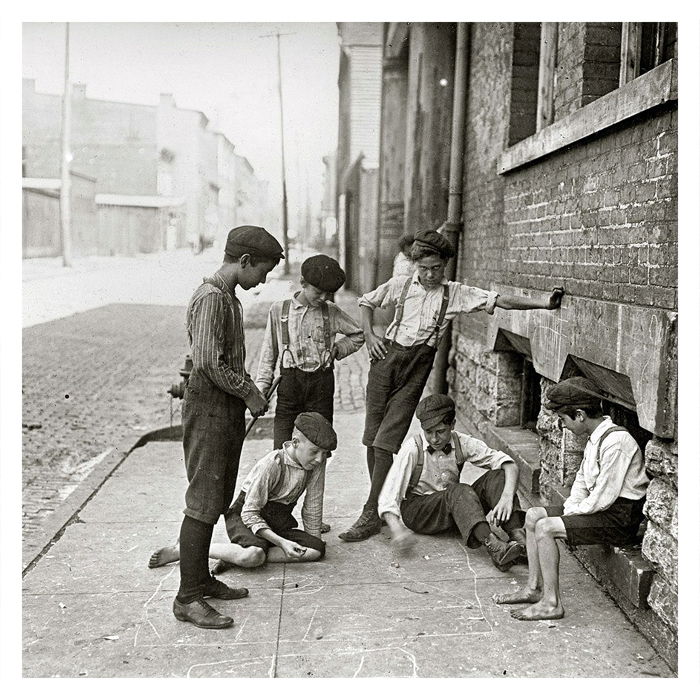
{"x": 539, "y": 611}
{"x": 325, "y": 527}
{"x": 403, "y": 543}
{"x": 522, "y": 595}
{"x": 164, "y": 556}
{"x": 220, "y": 567}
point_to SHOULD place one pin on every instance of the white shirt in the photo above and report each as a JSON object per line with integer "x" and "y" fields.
{"x": 422, "y": 307}
{"x": 439, "y": 469}
{"x": 620, "y": 473}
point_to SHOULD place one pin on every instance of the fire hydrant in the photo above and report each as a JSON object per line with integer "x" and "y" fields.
{"x": 177, "y": 391}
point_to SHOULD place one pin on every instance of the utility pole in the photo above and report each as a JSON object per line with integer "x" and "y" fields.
{"x": 64, "y": 199}
{"x": 285, "y": 238}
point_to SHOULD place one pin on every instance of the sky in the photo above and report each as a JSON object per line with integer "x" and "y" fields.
{"x": 226, "y": 70}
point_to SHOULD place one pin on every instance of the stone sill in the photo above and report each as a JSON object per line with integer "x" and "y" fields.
{"x": 656, "y": 87}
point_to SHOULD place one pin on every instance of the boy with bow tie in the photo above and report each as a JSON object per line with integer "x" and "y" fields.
{"x": 422, "y": 492}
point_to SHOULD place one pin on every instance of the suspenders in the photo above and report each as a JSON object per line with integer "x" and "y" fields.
{"x": 284, "y": 321}
{"x": 613, "y": 429}
{"x": 418, "y": 467}
{"x": 402, "y": 300}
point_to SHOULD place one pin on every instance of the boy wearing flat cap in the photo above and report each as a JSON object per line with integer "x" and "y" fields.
{"x": 423, "y": 493}
{"x": 301, "y": 333}
{"x": 604, "y": 507}
{"x": 425, "y": 302}
{"x": 213, "y": 415}
{"x": 260, "y": 523}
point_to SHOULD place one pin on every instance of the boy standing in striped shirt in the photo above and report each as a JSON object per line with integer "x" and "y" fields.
{"x": 213, "y": 415}
{"x": 401, "y": 361}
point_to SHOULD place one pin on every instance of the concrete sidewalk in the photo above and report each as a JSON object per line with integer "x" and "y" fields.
{"x": 93, "y": 608}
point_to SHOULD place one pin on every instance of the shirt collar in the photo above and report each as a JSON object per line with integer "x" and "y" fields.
{"x": 602, "y": 427}
{"x": 295, "y": 302}
{"x": 416, "y": 280}
{"x": 426, "y": 444}
{"x": 223, "y": 285}
{"x": 288, "y": 459}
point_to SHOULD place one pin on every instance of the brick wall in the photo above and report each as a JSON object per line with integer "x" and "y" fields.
{"x": 569, "y": 72}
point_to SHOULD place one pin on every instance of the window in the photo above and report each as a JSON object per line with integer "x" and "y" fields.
{"x": 645, "y": 45}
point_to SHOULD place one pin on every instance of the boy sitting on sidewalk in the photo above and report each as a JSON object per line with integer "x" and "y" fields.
{"x": 423, "y": 488}
{"x": 260, "y": 523}
{"x": 605, "y": 505}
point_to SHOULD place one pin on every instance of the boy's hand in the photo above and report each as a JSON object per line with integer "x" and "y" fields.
{"x": 375, "y": 346}
{"x": 554, "y": 301}
{"x": 332, "y": 357}
{"x": 292, "y": 550}
{"x": 501, "y": 512}
{"x": 257, "y": 404}
{"x": 403, "y": 542}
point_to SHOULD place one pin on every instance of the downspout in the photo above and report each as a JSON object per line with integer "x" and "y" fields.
{"x": 453, "y": 226}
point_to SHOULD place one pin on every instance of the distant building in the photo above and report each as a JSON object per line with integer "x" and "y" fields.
{"x": 163, "y": 178}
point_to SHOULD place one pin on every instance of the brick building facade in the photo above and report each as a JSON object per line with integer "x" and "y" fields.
{"x": 569, "y": 178}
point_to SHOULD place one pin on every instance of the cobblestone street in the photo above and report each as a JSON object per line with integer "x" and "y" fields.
{"x": 93, "y": 378}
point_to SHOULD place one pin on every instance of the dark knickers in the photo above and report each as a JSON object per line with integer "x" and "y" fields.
{"x": 394, "y": 388}
{"x": 281, "y": 521}
{"x": 300, "y": 391}
{"x": 616, "y": 525}
{"x": 460, "y": 506}
{"x": 213, "y": 425}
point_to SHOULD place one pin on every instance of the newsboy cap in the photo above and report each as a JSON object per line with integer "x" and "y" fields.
{"x": 317, "y": 429}
{"x": 432, "y": 409}
{"x": 323, "y": 272}
{"x": 431, "y": 242}
{"x": 575, "y": 392}
{"x": 253, "y": 240}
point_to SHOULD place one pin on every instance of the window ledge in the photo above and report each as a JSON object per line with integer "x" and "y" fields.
{"x": 654, "y": 88}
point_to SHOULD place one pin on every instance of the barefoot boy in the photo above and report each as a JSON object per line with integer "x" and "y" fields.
{"x": 605, "y": 505}
{"x": 425, "y": 303}
{"x": 260, "y": 523}
{"x": 424, "y": 490}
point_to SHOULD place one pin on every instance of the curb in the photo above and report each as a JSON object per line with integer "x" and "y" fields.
{"x": 53, "y": 527}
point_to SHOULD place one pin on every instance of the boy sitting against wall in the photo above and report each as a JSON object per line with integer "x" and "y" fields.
{"x": 604, "y": 507}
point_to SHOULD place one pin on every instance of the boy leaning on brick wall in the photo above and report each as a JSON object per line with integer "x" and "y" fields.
{"x": 604, "y": 507}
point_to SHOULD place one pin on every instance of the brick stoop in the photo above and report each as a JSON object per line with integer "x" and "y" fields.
{"x": 622, "y": 571}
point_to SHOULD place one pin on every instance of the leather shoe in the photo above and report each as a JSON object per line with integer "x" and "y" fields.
{"x": 201, "y": 614}
{"x": 503, "y": 554}
{"x": 368, "y": 524}
{"x": 218, "y": 589}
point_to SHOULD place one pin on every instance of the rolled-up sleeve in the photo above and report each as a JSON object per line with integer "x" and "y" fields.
{"x": 383, "y": 295}
{"x": 480, "y": 454}
{"x": 268, "y": 355}
{"x": 472, "y": 299}
{"x": 397, "y": 480}
{"x": 208, "y": 353}
{"x": 353, "y": 338}
{"x": 312, "y": 508}
{"x": 258, "y": 494}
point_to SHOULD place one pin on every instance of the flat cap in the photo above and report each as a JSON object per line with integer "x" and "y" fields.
{"x": 317, "y": 429}
{"x": 253, "y": 240}
{"x": 432, "y": 409}
{"x": 575, "y": 392}
{"x": 323, "y": 273}
{"x": 431, "y": 242}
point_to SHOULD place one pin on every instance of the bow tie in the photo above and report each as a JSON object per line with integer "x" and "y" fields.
{"x": 446, "y": 449}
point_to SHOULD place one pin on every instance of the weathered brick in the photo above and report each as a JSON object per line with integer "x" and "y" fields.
{"x": 661, "y": 548}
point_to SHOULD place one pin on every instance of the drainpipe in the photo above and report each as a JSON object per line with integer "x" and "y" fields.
{"x": 453, "y": 226}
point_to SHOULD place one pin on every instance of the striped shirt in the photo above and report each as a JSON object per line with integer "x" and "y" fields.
{"x": 270, "y": 480}
{"x": 307, "y": 344}
{"x": 217, "y": 352}
{"x": 620, "y": 473}
{"x": 422, "y": 307}
{"x": 439, "y": 469}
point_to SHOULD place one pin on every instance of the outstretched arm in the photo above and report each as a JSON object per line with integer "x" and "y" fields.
{"x": 512, "y": 302}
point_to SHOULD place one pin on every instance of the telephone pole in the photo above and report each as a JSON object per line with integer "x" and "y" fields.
{"x": 64, "y": 198}
{"x": 285, "y": 238}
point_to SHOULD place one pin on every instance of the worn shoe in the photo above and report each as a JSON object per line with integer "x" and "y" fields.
{"x": 503, "y": 554}
{"x": 325, "y": 527}
{"x": 201, "y": 614}
{"x": 368, "y": 524}
{"x": 220, "y": 567}
{"x": 218, "y": 589}
{"x": 518, "y": 535}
